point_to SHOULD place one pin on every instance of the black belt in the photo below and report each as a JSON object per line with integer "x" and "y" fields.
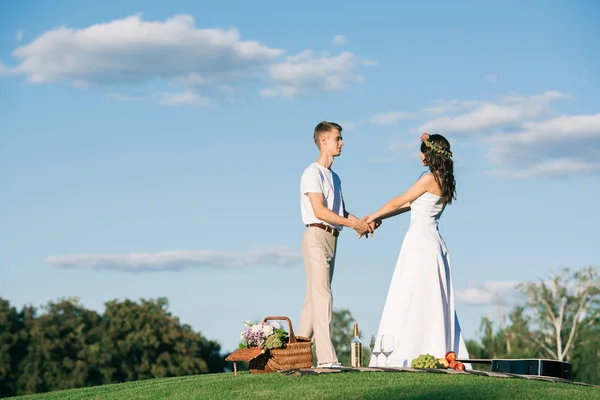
{"x": 326, "y": 228}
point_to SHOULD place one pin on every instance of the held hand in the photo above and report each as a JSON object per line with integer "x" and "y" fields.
{"x": 372, "y": 223}
{"x": 372, "y": 226}
{"x": 362, "y": 228}
{"x": 369, "y": 219}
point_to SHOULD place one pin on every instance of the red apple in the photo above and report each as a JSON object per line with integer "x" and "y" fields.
{"x": 450, "y": 356}
{"x": 459, "y": 366}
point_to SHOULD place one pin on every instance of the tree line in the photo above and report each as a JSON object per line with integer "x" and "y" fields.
{"x": 558, "y": 320}
{"x": 64, "y": 345}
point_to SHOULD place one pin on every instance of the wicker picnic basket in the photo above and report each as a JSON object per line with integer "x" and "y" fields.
{"x": 296, "y": 354}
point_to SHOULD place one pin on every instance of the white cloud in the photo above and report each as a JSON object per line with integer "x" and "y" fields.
{"x": 450, "y": 106}
{"x": 523, "y": 136}
{"x": 166, "y": 98}
{"x": 187, "y": 97}
{"x": 339, "y": 40}
{"x": 136, "y": 51}
{"x": 308, "y": 71}
{"x": 176, "y": 260}
{"x": 3, "y": 70}
{"x": 486, "y": 116}
{"x": 269, "y": 92}
{"x": 491, "y": 78}
{"x": 562, "y": 128}
{"x": 488, "y": 293}
{"x": 127, "y": 97}
{"x": 389, "y": 118}
{"x": 526, "y": 137}
{"x": 131, "y": 49}
{"x": 560, "y": 167}
{"x": 559, "y": 146}
{"x": 19, "y": 36}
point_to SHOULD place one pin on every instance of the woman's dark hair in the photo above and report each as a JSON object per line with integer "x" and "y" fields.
{"x": 438, "y": 158}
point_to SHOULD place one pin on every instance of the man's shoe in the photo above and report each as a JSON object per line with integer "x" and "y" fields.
{"x": 330, "y": 365}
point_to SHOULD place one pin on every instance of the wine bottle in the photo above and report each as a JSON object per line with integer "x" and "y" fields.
{"x": 355, "y": 349}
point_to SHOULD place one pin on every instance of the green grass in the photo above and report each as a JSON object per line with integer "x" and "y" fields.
{"x": 351, "y": 385}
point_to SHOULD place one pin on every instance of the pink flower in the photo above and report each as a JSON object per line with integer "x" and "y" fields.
{"x": 424, "y": 136}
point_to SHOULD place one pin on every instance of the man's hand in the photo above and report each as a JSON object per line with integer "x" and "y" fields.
{"x": 373, "y": 225}
{"x": 362, "y": 228}
{"x": 373, "y": 222}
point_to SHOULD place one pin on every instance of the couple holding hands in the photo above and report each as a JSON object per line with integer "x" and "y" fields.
{"x": 419, "y": 311}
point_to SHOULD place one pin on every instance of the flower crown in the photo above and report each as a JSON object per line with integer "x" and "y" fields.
{"x": 434, "y": 147}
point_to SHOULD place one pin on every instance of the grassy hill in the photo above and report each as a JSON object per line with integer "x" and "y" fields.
{"x": 358, "y": 385}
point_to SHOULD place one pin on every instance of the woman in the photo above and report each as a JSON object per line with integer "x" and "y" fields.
{"x": 419, "y": 310}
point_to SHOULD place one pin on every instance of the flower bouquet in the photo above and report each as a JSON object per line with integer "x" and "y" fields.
{"x": 268, "y": 347}
{"x": 265, "y": 336}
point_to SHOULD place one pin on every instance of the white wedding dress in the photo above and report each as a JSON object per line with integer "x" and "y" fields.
{"x": 419, "y": 310}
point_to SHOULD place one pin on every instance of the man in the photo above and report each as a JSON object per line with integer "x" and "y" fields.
{"x": 324, "y": 214}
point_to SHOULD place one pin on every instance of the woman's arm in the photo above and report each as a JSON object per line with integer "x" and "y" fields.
{"x": 394, "y": 206}
{"x": 401, "y": 210}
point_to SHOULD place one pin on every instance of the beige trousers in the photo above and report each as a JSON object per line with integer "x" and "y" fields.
{"x": 318, "y": 252}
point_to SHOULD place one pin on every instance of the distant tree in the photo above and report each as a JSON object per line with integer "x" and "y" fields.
{"x": 585, "y": 356}
{"x": 508, "y": 340}
{"x": 65, "y": 345}
{"x": 488, "y": 346}
{"x": 145, "y": 341}
{"x": 559, "y": 307}
{"x": 13, "y": 347}
{"x": 61, "y": 341}
{"x": 560, "y": 319}
{"x": 342, "y": 323}
{"x": 342, "y": 331}
{"x": 515, "y": 336}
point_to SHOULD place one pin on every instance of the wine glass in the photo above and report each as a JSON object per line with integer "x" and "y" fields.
{"x": 376, "y": 348}
{"x": 387, "y": 346}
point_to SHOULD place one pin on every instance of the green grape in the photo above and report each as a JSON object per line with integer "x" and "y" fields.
{"x": 424, "y": 361}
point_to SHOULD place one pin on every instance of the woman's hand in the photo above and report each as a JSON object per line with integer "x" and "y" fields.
{"x": 370, "y": 219}
{"x": 374, "y": 223}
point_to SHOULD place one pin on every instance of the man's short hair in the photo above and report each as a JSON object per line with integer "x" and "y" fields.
{"x": 324, "y": 127}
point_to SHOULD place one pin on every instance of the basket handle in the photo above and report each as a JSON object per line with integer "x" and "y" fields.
{"x": 292, "y": 336}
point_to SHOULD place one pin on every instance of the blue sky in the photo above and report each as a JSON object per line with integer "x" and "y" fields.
{"x": 156, "y": 150}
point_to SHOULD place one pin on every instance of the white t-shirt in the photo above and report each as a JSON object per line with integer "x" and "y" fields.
{"x": 318, "y": 179}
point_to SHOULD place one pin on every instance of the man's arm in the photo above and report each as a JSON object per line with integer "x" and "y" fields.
{"x": 325, "y": 214}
